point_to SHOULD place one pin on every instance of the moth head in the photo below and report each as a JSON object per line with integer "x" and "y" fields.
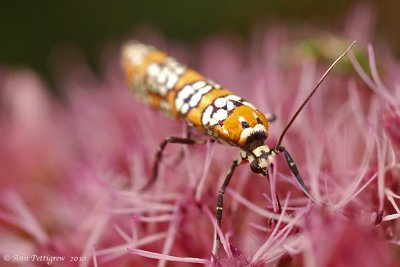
{"x": 259, "y": 159}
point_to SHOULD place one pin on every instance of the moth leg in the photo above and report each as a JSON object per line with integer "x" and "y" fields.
{"x": 162, "y": 146}
{"x": 178, "y": 159}
{"x": 220, "y": 203}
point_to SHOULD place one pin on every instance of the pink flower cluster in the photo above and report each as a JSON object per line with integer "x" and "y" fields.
{"x": 71, "y": 168}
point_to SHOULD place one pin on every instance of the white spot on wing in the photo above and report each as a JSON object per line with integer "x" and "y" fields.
{"x": 205, "y": 89}
{"x": 205, "y": 119}
{"x": 195, "y": 99}
{"x": 234, "y": 97}
{"x": 136, "y": 52}
{"x": 220, "y": 115}
{"x": 230, "y": 105}
{"x": 178, "y": 103}
{"x": 213, "y": 122}
{"x": 220, "y": 102}
{"x": 180, "y": 70}
{"x": 153, "y": 69}
{"x": 199, "y": 84}
{"x": 172, "y": 79}
{"x": 185, "y": 109}
{"x": 162, "y": 77}
{"x": 186, "y": 91}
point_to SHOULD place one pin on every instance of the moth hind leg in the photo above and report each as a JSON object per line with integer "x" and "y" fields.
{"x": 158, "y": 157}
{"x": 178, "y": 159}
{"x": 220, "y": 203}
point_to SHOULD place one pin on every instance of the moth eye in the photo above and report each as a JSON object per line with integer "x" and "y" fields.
{"x": 245, "y": 124}
{"x": 255, "y": 167}
{"x": 259, "y": 121}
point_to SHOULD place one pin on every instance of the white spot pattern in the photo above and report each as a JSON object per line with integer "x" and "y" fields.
{"x": 206, "y": 117}
{"x": 220, "y": 115}
{"x": 230, "y": 106}
{"x": 199, "y": 84}
{"x": 220, "y": 109}
{"x": 191, "y": 94}
{"x": 162, "y": 78}
{"x": 136, "y": 52}
{"x": 220, "y": 102}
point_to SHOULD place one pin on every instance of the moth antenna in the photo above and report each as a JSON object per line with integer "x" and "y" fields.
{"x": 310, "y": 95}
